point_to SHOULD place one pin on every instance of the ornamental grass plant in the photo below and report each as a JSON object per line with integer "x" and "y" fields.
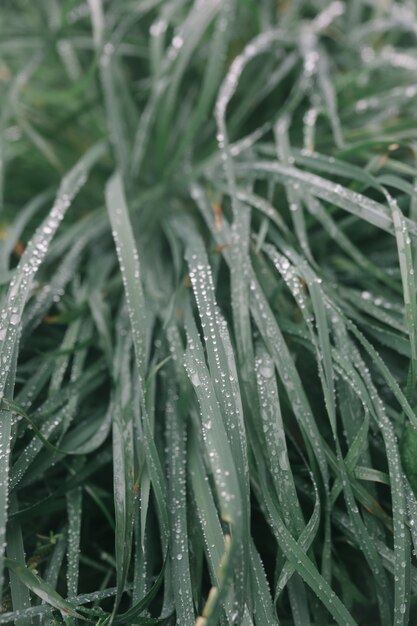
{"x": 208, "y": 314}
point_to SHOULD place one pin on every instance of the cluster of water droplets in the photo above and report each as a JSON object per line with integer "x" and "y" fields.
{"x": 74, "y": 504}
{"x": 404, "y": 15}
{"x": 78, "y": 12}
{"x": 390, "y": 98}
{"x": 107, "y": 54}
{"x": 131, "y": 274}
{"x": 325, "y": 18}
{"x": 392, "y": 56}
{"x": 22, "y": 281}
{"x": 294, "y": 281}
{"x": 391, "y": 313}
{"x": 273, "y": 337}
{"x": 176, "y": 438}
{"x": 210, "y": 422}
{"x": 32, "y": 449}
{"x": 381, "y": 302}
{"x": 311, "y": 55}
{"x": 31, "y": 389}
{"x": 54, "y": 290}
{"x": 412, "y": 513}
{"x": 272, "y": 424}
{"x": 217, "y": 341}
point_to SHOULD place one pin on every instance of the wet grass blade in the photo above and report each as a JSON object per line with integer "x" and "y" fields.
{"x": 42, "y": 589}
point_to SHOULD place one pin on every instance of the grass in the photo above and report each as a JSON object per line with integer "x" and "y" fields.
{"x": 208, "y": 339}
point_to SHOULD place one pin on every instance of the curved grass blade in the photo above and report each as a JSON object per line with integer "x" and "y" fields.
{"x": 42, "y": 589}
{"x": 15, "y": 551}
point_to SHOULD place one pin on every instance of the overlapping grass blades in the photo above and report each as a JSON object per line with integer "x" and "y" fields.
{"x": 208, "y": 364}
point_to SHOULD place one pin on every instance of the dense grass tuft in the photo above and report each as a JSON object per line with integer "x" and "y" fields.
{"x": 208, "y": 339}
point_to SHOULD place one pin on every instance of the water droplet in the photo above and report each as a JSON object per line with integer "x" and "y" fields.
{"x": 14, "y": 319}
{"x": 266, "y": 371}
{"x": 195, "y": 379}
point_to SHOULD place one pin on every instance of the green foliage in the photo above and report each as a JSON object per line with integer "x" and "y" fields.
{"x": 409, "y": 454}
{"x": 208, "y": 340}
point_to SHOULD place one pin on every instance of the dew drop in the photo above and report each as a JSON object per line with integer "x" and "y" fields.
{"x": 14, "y": 319}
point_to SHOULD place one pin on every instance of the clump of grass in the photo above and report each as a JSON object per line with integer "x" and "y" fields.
{"x": 209, "y": 338}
